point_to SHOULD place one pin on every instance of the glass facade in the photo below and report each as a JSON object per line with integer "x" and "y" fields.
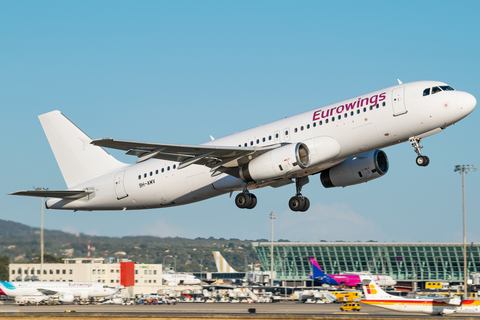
{"x": 404, "y": 261}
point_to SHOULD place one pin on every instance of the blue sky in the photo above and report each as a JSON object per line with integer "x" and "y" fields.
{"x": 179, "y": 71}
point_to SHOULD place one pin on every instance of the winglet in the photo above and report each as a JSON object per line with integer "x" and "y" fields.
{"x": 399, "y": 82}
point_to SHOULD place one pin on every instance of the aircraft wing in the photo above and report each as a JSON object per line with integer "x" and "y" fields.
{"x": 213, "y": 157}
{"x": 47, "y": 292}
{"x": 63, "y": 194}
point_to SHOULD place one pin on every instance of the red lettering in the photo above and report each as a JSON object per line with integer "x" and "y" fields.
{"x": 382, "y": 97}
{"x": 316, "y": 115}
{"x": 351, "y": 106}
{"x": 340, "y": 109}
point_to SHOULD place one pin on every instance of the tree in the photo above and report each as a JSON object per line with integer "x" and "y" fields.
{"x": 4, "y": 261}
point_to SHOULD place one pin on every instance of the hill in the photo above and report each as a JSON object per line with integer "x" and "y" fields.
{"x": 21, "y": 243}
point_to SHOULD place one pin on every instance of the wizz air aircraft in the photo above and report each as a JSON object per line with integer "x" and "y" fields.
{"x": 374, "y": 295}
{"x": 349, "y": 280}
{"x": 341, "y": 141}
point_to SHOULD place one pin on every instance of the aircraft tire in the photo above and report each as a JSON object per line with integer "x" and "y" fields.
{"x": 242, "y": 200}
{"x": 422, "y": 161}
{"x": 296, "y": 203}
{"x": 254, "y": 201}
{"x": 306, "y": 204}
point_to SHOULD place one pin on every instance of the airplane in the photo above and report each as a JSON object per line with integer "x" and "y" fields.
{"x": 374, "y": 295}
{"x": 348, "y": 280}
{"x": 341, "y": 141}
{"x": 37, "y": 291}
{"x": 173, "y": 279}
{"x": 221, "y": 263}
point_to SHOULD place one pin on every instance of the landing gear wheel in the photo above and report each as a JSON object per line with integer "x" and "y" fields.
{"x": 306, "y": 204}
{"x": 243, "y": 200}
{"x": 254, "y": 201}
{"x": 295, "y": 203}
{"x": 422, "y": 161}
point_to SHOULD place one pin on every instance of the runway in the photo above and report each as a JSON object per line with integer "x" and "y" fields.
{"x": 282, "y": 310}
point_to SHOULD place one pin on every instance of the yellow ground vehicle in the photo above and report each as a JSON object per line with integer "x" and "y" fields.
{"x": 351, "y": 307}
{"x": 350, "y": 296}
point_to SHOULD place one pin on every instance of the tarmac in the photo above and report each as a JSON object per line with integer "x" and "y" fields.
{"x": 284, "y": 310}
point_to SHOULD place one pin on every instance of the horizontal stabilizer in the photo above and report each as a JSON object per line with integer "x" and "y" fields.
{"x": 63, "y": 194}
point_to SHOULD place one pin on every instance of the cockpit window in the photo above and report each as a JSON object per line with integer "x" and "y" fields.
{"x": 426, "y": 92}
{"x": 447, "y": 88}
{"x": 436, "y": 90}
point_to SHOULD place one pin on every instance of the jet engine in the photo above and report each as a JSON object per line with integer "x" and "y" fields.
{"x": 362, "y": 168}
{"x": 276, "y": 163}
{"x": 66, "y": 297}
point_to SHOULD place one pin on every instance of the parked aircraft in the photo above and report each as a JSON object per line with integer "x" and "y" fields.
{"x": 221, "y": 263}
{"x": 349, "y": 280}
{"x": 174, "y": 279}
{"x": 374, "y": 295}
{"x": 37, "y": 291}
{"x": 341, "y": 141}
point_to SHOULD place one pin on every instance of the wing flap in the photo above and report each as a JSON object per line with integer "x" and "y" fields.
{"x": 63, "y": 194}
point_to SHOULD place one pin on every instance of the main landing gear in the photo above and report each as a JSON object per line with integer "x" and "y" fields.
{"x": 421, "y": 161}
{"x": 299, "y": 202}
{"x": 245, "y": 199}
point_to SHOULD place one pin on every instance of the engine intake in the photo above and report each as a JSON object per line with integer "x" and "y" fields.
{"x": 276, "y": 163}
{"x": 362, "y": 168}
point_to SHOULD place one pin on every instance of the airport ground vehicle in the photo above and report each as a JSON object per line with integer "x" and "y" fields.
{"x": 351, "y": 307}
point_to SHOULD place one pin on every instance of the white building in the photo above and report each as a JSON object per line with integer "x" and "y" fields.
{"x": 148, "y": 277}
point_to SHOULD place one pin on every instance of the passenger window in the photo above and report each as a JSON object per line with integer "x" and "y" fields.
{"x": 269, "y": 137}
{"x": 163, "y": 169}
{"x": 320, "y": 122}
{"x": 174, "y": 166}
{"x": 371, "y": 108}
{"x": 286, "y": 133}
{"x": 156, "y": 171}
{"x": 276, "y": 135}
{"x": 251, "y": 143}
{"x": 339, "y": 117}
{"x": 333, "y": 119}
{"x": 263, "y": 140}
{"x": 358, "y": 111}
{"x": 151, "y": 173}
{"x": 326, "y": 120}
{"x": 245, "y": 144}
{"x": 139, "y": 176}
{"x": 314, "y": 124}
{"x": 301, "y": 128}
{"x": 384, "y": 104}
{"x": 352, "y": 113}
{"x": 378, "y": 106}
{"x": 308, "y": 126}
{"x": 447, "y": 88}
{"x": 426, "y": 92}
{"x": 240, "y": 145}
{"x": 364, "y": 109}
{"x": 295, "y": 130}
{"x": 258, "y": 141}
{"x": 144, "y": 175}
{"x": 345, "y": 115}
{"x": 436, "y": 90}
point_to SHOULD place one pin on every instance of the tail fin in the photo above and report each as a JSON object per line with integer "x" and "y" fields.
{"x": 316, "y": 270}
{"x": 77, "y": 158}
{"x": 222, "y": 264}
{"x": 373, "y": 291}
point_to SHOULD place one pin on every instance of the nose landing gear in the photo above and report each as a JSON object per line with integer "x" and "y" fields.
{"x": 421, "y": 161}
{"x": 299, "y": 202}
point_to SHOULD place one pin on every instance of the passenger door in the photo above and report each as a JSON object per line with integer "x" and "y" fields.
{"x": 398, "y": 101}
{"x": 120, "y": 185}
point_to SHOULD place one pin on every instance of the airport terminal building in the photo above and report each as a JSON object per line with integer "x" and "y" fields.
{"x": 403, "y": 261}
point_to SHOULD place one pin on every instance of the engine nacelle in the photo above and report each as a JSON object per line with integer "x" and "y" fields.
{"x": 276, "y": 163}
{"x": 66, "y": 297}
{"x": 362, "y": 168}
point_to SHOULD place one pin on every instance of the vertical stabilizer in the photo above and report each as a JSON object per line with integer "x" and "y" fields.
{"x": 373, "y": 291}
{"x": 77, "y": 158}
{"x": 222, "y": 264}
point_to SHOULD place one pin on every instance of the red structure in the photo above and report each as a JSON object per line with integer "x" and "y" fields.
{"x": 127, "y": 274}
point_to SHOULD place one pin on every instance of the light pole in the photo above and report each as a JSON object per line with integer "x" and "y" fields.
{"x": 163, "y": 265}
{"x": 464, "y": 169}
{"x": 41, "y": 232}
{"x": 272, "y": 216}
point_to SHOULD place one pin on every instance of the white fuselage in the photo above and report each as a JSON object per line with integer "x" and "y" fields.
{"x": 375, "y": 120}
{"x": 38, "y": 288}
{"x": 180, "y": 279}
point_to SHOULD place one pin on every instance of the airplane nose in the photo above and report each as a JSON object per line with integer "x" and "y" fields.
{"x": 467, "y": 102}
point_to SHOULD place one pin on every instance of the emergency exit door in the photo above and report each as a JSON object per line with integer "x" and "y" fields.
{"x": 120, "y": 185}
{"x": 398, "y": 101}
